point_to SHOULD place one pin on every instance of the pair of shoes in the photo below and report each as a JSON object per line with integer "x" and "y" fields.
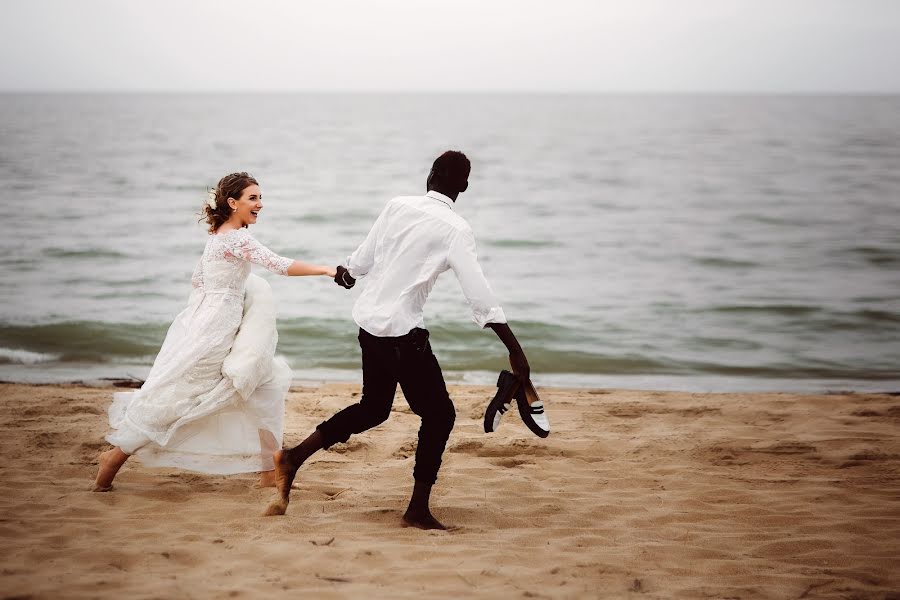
{"x": 532, "y": 412}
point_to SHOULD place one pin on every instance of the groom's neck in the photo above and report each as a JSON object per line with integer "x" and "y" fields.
{"x": 452, "y": 195}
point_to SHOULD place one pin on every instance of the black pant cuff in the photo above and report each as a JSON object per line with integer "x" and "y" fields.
{"x": 328, "y": 437}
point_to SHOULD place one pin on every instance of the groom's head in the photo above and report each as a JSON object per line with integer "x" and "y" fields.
{"x": 449, "y": 174}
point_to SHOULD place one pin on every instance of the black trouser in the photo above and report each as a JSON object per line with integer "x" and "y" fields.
{"x": 409, "y": 361}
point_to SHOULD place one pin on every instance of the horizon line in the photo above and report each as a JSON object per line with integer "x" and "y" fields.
{"x": 50, "y": 91}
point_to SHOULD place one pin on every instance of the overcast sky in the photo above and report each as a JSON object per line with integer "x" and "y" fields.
{"x": 451, "y": 45}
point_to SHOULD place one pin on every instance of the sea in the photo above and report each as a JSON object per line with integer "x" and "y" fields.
{"x": 685, "y": 242}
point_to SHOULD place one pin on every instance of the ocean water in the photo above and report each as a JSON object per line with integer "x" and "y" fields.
{"x": 679, "y": 242}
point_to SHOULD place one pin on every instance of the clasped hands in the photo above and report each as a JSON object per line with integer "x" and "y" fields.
{"x": 343, "y": 278}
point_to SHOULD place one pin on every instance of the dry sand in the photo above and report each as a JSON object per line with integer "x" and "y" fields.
{"x": 634, "y": 494}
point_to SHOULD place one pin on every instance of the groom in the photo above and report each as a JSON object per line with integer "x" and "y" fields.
{"x": 414, "y": 240}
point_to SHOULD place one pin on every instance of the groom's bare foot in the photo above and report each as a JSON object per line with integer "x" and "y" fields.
{"x": 285, "y": 471}
{"x": 424, "y": 520}
{"x": 110, "y": 463}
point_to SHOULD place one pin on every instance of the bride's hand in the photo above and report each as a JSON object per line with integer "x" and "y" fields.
{"x": 330, "y": 272}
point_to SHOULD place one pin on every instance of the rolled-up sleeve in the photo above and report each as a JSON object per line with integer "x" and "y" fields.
{"x": 463, "y": 259}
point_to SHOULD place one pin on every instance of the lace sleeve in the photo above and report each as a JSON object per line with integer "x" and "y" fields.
{"x": 197, "y": 277}
{"x": 243, "y": 245}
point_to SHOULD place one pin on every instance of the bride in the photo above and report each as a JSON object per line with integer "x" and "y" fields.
{"x": 214, "y": 399}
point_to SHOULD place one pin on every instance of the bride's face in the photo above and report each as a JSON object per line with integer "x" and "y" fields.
{"x": 247, "y": 207}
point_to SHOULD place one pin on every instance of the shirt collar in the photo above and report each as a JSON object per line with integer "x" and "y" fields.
{"x": 440, "y": 197}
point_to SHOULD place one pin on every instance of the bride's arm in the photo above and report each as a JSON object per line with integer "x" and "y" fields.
{"x": 299, "y": 269}
{"x": 246, "y": 247}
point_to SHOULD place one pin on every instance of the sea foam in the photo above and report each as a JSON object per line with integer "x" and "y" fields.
{"x": 24, "y": 357}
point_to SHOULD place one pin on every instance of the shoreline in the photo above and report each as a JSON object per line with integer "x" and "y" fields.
{"x": 662, "y": 494}
{"x": 701, "y": 384}
{"x": 301, "y": 384}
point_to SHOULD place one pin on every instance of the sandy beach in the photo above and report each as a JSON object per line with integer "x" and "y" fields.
{"x": 634, "y": 494}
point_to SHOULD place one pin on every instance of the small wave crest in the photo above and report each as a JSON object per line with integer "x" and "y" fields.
{"x": 89, "y": 341}
{"x": 877, "y": 256}
{"x": 820, "y": 317}
{"x": 14, "y": 356}
{"x": 84, "y": 253}
{"x": 778, "y": 309}
{"x": 516, "y": 243}
{"x": 724, "y": 263}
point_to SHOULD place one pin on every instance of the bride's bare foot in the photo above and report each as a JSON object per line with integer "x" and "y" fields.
{"x": 110, "y": 463}
{"x": 285, "y": 471}
{"x": 267, "y": 479}
{"x": 424, "y": 520}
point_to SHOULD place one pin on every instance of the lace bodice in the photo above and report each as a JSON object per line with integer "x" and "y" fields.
{"x": 225, "y": 263}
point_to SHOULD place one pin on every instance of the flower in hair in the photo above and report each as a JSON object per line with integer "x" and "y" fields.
{"x": 211, "y": 198}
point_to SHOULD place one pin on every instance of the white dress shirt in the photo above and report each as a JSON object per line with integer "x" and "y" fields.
{"x": 415, "y": 239}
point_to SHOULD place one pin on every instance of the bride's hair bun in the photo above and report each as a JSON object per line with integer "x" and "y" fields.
{"x": 230, "y": 186}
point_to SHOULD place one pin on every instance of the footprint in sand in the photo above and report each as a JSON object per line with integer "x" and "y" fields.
{"x": 351, "y": 447}
{"x": 48, "y": 439}
{"x": 80, "y": 409}
{"x": 725, "y": 455}
{"x": 514, "y": 449}
{"x": 866, "y": 457}
{"x": 405, "y": 451}
{"x": 635, "y": 411}
{"x": 510, "y": 463}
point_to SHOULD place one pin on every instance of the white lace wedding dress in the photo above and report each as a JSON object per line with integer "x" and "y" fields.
{"x": 214, "y": 399}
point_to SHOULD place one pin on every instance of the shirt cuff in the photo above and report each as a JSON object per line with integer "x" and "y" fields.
{"x": 492, "y": 315}
{"x": 353, "y": 272}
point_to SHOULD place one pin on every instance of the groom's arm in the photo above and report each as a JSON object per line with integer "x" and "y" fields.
{"x": 517, "y": 359}
{"x": 486, "y": 310}
{"x": 360, "y": 262}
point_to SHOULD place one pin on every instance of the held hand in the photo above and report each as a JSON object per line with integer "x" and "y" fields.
{"x": 519, "y": 365}
{"x": 342, "y": 277}
{"x": 329, "y": 272}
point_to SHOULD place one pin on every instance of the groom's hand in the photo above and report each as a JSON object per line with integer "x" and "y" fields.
{"x": 520, "y": 366}
{"x": 343, "y": 278}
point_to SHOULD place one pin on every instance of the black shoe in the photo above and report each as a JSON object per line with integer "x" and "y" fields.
{"x": 507, "y": 385}
{"x": 532, "y": 414}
